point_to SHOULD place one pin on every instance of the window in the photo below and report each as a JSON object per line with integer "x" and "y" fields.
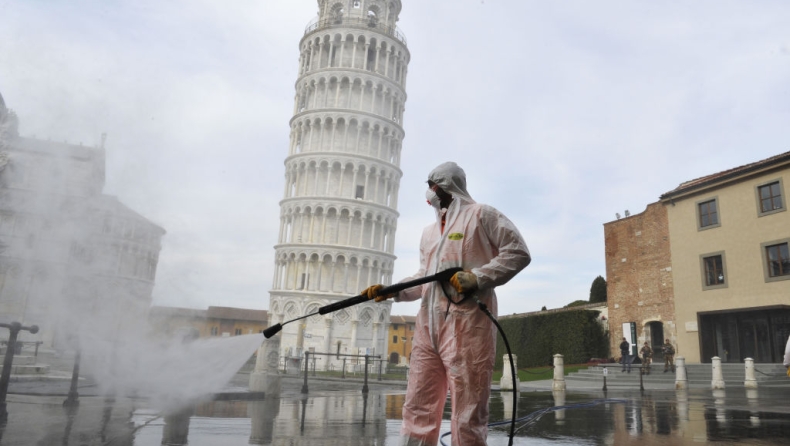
{"x": 395, "y": 339}
{"x": 214, "y": 331}
{"x": 714, "y": 271}
{"x": 238, "y": 331}
{"x": 360, "y": 193}
{"x": 776, "y": 260}
{"x": 769, "y": 198}
{"x": 708, "y": 214}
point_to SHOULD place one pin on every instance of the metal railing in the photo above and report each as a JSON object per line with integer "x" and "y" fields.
{"x": 354, "y": 22}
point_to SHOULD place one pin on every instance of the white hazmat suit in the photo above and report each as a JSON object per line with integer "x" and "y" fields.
{"x": 454, "y": 345}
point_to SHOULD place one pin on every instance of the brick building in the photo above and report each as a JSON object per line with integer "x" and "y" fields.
{"x": 639, "y": 283}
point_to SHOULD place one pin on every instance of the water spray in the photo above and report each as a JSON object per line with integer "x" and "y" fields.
{"x": 442, "y": 276}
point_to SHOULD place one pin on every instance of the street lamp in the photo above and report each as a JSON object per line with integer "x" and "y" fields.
{"x": 13, "y": 331}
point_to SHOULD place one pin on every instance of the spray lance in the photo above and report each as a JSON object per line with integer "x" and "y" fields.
{"x": 442, "y": 276}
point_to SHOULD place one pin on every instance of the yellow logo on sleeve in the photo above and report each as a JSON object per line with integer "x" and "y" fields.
{"x": 455, "y": 236}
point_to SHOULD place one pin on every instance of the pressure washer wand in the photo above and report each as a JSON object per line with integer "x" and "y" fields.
{"x": 442, "y": 276}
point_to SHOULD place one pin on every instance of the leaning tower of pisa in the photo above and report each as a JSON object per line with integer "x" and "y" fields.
{"x": 339, "y": 212}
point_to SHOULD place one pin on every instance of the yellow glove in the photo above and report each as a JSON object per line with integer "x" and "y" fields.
{"x": 372, "y": 292}
{"x": 464, "y": 282}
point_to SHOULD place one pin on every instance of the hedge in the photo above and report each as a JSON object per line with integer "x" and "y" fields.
{"x": 535, "y": 339}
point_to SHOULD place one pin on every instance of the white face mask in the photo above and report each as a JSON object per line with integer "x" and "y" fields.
{"x": 433, "y": 199}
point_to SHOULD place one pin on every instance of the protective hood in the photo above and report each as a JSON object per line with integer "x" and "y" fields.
{"x": 452, "y": 179}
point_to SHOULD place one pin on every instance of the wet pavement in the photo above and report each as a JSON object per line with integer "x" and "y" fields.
{"x": 335, "y": 412}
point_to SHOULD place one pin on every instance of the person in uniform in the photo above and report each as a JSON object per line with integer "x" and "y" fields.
{"x": 669, "y": 356}
{"x": 647, "y": 357}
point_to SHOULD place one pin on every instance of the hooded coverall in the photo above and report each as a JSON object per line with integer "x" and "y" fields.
{"x": 454, "y": 345}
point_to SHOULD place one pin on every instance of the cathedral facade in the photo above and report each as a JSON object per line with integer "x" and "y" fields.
{"x": 73, "y": 260}
{"x": 339, "y": 208}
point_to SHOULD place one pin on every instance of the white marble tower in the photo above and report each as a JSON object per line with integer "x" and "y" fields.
{"x": 339, "y": 210}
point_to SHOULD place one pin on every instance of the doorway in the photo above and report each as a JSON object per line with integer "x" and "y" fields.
{"x": 736, "y": 335}
{"x": 656, "y": 332}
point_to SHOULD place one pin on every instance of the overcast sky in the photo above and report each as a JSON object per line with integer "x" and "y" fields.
{"x": 562, "y": 113}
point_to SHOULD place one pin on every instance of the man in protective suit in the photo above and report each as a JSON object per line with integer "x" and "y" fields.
{"x": 454, "y": 341}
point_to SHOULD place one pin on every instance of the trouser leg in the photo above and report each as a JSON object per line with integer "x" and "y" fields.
{"x": 470, "y": 364}
{"x": 425, "y": 398}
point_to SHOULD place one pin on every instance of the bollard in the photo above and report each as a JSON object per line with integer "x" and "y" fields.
{"x": 681, "y": 379}
{"x": 381, "y": 361}
{"x": 717, "y": 381}
{"x": 507, "y": 382}
{"x": 344, "y": 369}
{"x": 605, "y": 372}
{"x": 558, "y": 383}
{"x": 750, "y": 382}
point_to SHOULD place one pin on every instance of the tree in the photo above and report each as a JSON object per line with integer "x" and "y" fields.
{"x": 598, "y": 290}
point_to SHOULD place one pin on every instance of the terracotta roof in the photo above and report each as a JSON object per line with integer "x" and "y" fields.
{"x": 402, "y": 319}
{"x": 726, "y": 175}
{"x": 239, "y": 314}
{"x": 176, "y": 311}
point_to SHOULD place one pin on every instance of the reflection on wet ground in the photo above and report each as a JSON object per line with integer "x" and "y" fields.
{"x": 346, "y": 417}
{"x": 349, "y": 418}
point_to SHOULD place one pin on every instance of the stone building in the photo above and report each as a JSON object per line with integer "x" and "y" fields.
{"x": 72, "y": 258}
{"x": 639, "y": 279}
{"x": 730, "y": 263}
{"x": 401, "y": 339}
{"x": 339, "y": 208}
{"x": 214, "y": 321}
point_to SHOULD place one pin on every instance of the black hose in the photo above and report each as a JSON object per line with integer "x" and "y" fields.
{"x": 512, "y": 368}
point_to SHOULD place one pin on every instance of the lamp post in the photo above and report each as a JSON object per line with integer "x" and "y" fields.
{"x": 73, "y": 397}
{"x": 13, "y": 331}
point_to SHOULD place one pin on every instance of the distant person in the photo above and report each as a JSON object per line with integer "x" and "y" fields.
{"x": 624, "y": 356}
{"x": 647, "y": 357}
{"x": 669, "y": 356}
